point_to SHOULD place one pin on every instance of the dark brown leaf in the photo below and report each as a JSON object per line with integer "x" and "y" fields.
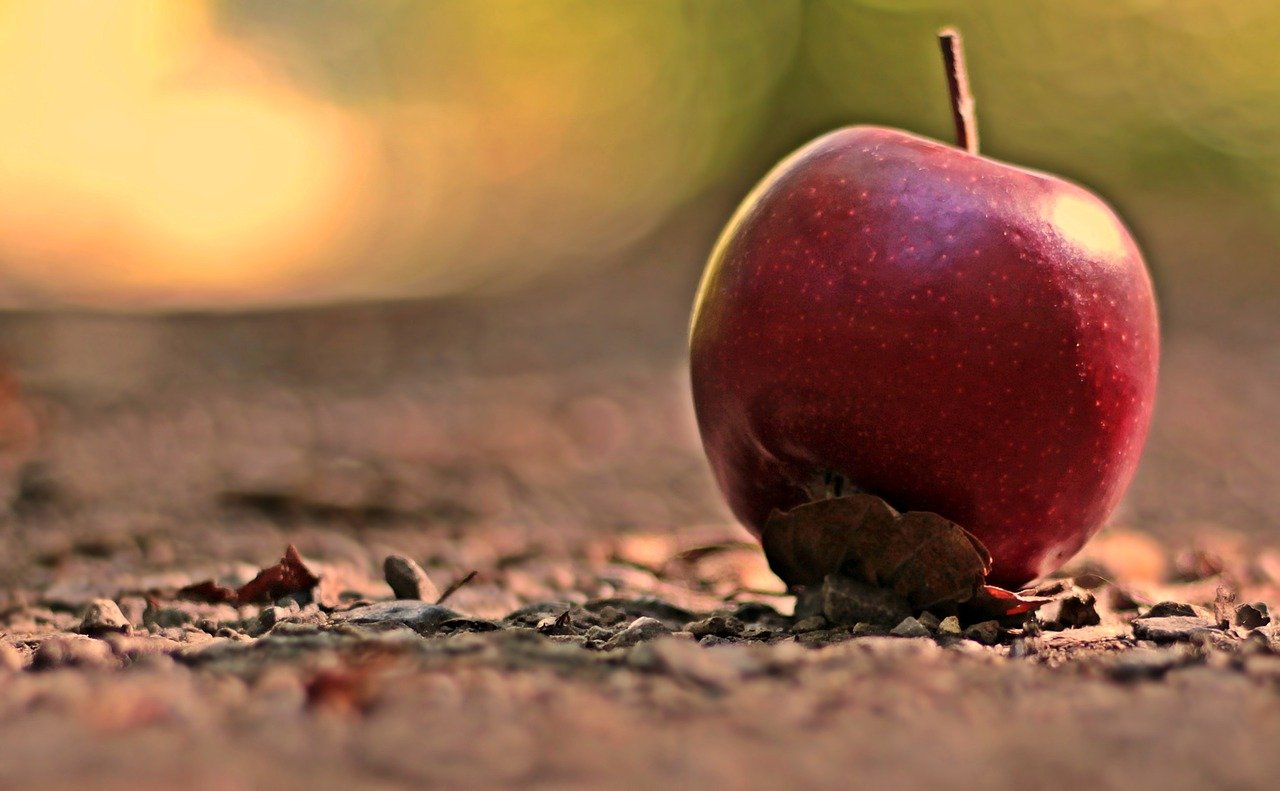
{"x": 207, "y": 591}
{"x": 285, "y": 578}
{"x": 928, "y": 560}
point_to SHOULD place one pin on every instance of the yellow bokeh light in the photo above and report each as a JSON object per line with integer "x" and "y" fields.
{"x": 143, "y": 157}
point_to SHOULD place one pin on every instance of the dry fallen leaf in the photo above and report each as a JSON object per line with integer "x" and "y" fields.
{"x": 207, "y": 591}
{"x": 285, "y": 578}
{"x": 928, "y": 560}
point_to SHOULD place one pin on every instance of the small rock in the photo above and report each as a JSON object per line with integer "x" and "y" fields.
{"x": 408, "y": 580}
{"x": 1251, "y": 616}
{"x": 846, "y": 601}
{"x": 949, "y": 626}
{"x": 641, "y": 629}
{"x": 10, "y": 659}
{"x": 1172, "y": 628}
{"x": 83, "y": 652}
{"x": 1166, "y": 609}
{"x": 421, "y": 617}
{"x": 929, "y": 621}
{"x": 986, "y": 633}
{"x": 719, "y": 625}
{"x": 1078, "y": 609}
{"x": 103, "y": 616}
{"x": 909, "y": 627}
{"x": 813, "y": 623}
{"x": 268, "y": 618}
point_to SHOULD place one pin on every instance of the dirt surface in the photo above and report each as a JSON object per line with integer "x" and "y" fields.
{"x": 620, "y": 630}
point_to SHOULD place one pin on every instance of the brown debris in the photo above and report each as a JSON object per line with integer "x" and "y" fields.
{"x": 285, "y": 578}
{"x": 207, "y": 591}
{"x": 1224, "y": 607}
{"x": 928, "y": 560}
{"x": 1078, "y": 608}
{"x": 455, "y": 586}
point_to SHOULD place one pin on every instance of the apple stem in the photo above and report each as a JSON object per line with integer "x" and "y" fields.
{"x": 962, "y": 105}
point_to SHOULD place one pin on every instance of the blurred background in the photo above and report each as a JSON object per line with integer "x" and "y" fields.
{"x": 384, "y": 264}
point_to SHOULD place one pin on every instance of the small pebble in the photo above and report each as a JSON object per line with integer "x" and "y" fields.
{"x": 408, "y": 580}
{"x": 909, "y": 627}
{"x": 1172, "y": 628}
{"x": 269, "y": 617}
{"x": 949, "y": 626}
{"x": 929, "y": 620}
{"x": 813, "y": 623}
{"x": 1078, "y": 609}
{"x": 1167, "y": 608}
{"x": 641, "y": 629}
{"x": 719, "y": 625}
{"x": 986, "y": 633}
{"x": 103, "y": 616}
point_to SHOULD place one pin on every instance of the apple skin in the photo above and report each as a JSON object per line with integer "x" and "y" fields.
{"x": 949, "y": 332}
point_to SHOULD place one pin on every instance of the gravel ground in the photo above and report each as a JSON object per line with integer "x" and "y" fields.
{"x": 619, "y": 630}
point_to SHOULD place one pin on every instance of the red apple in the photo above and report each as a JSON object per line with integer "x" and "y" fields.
{"x": 949, "y": 332}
